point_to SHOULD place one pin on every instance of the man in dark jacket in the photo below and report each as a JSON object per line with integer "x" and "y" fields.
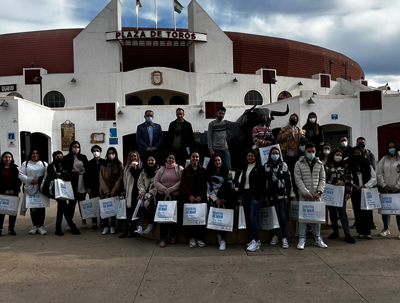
{"x": 180, "y": 137}
{"x": 149, "y": 137}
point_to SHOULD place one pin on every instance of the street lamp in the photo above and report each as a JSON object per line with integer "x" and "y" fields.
{"x": 271, "y": 81}
{"x": 39, "y": 79}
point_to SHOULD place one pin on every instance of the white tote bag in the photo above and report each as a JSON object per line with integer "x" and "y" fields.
{"x": 108, "y": 207}
{"x": 390, "y": 204}
{"x": 135, "y": 212}
{"x": 220, "y": 219}
{"x": 370, "y": 199}
{"x": 311, "y": 211}
{"x": 195, "y": 214}
{"x": 63, "y": 190}
{"x": 333, "y": 195}
{"x": 294, "y": 210}
{"x": 241, "y": 218}
{"x": 9, "y": 205}
{"x": 37, "y": 200}
{"x": 166, "y": 212}
{"x": 89, "y": 208}
{"x": 121, "y": 214}
{"x": 268, "y": 218}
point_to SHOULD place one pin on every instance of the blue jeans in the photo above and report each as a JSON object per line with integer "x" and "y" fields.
{"x": 303, "y": 228}
{"x": 386, "y": 221}
{"x": 282, "y": 214}
{"x": 333, "y": 215}
{"x": 254, "y": 210}
{"x": 225, "y": 156}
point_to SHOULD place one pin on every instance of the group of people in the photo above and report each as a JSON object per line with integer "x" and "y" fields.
{"x": 303, "y": 163}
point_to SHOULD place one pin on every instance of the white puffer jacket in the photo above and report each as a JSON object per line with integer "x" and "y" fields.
{"x": 309, "y": 182}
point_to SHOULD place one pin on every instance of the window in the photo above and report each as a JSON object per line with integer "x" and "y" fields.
{"x": 284, "y": 95}
{"x": 134, "y": 100}
{"x": 211, "y": 109}
{"x": 15, "y": 94}
{"x": 371, "y": 100}
{"x": 177, "y": 100}
{"x": 156, "y": 100}
{"x": 105, "y": 111}
{"x": 325, "y": 81}
{"x": 54, "y": 99}
{"x": 253, "y": 98}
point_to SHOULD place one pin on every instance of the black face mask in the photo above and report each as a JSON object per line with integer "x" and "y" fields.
{"x": 263, "y": 122}
{"x": 293, "y": 121}
{"x": 362, "y": 145}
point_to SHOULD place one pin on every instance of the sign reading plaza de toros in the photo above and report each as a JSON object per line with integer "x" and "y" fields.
{"x": 156, "y": 34}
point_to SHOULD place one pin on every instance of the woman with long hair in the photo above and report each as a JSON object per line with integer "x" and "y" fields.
{"x": 10, "y": 185}
{"x": 325, "y": 153}
{"x": 314, "y": 132}
{"x": 110, "y": 181}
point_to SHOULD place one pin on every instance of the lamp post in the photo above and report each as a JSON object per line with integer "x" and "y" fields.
{"x": 330, "y": 67}
{"x": 271, "y": 80}
{"x": 39, "y": 79}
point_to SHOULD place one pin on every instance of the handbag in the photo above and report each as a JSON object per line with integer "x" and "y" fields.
{"x": 294, "y": 210}
{"x": 121, "y": 214}
{"x": 241, "y": 218}
{"x": 135, "y": 212}
{"x": 195, "y": 214}
{"x": 390, "y": 204}
{"x": 166, "y": 212}
{"x": 312, "y": 211}
{"x": 37, "y": 200}
{"x": 89, "y": 208}
{"x": 108, "y": 207}
{"x": 268, "y": 218}
{"x": 63, "y": 190}
{"x": 333, "y": 195}
{"x": 220, "y": 219}
{"x": 370, "y": 199}
{"x": 9, "y": 205}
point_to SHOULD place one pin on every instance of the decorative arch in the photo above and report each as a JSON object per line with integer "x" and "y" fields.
{"x": 177, "y": 100}
{"x": 15, "y": 94}
{"x": 54, "y": 99}
{"x": 156, "y": 100}
{"x": 134, "y": 100}
{"x": 284, "y": 95}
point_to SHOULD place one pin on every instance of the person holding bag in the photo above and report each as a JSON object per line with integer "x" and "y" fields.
{"x": 338, "y": 173}
{"x": 132, "y": 171}
{"x": 219, "y": 189}
{"x": 110, "y": 181}
{"x": 168, "y": 183}
{"x": 388, "y": 176}
{"x": 147, "y": 193}
{"x": 10, "y": 185}
{"x": 363, "y": 177}
{"x": 247, "y": 188}
{"x": 31, "y": 173}
{"x": 194, "y": 190}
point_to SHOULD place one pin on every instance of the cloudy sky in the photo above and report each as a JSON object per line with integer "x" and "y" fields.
{"x": 365, "y": 30}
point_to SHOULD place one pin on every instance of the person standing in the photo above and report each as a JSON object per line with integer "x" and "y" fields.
{"x": 388, "y": 176}
{"x": 218, "y": 134}
{"x": 180, "y": 137}
{"x": 110, "y": 181}
{"x": 361, "y": 142}
{"x": 325, "y": 153}
{"x": 309, "y": 174}
{"x": 262, "y": 134}
{"x": 10, "y": 185}
{"x": 345, "y": 147}
{"x": 31, "y": 173}
{"x": 194, "y": 190}
{"x": 149, "y": 136}
{"x": 314, "y": 132}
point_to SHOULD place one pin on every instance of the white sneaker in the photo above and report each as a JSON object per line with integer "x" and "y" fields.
{"x": 112, "y": 230}
{"x": 384, "y": 232}
{"x": 258, "y": 242}
{"x": 34, "y": 230}
{"x": 148, "y": 229}
{"x": 42, "y": 231}
{"x": 222, "y": 246}
{"x": 285, "y": 243}
{"x": 68, "y": 228}
{"x": 274, "y": 240}
{"x": 253, "y": 246}
{"x": 219, "y": 239}
{"x": 200, "y": 243}
{"x": 139, "y": 230}
{"x": 105, "y": 231}
{"x": 192, "y": 242}
{"x": 318, "y": 242}
{"x": 302, "y": 243}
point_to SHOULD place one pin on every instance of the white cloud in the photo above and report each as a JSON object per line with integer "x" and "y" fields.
{"x": 381, "y": 80}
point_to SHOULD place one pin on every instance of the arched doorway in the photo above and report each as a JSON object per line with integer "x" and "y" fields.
{"x": 177, "y": 100}
{"x": 39, "y": 141}
{"x": 333, "y": 132}
{"x": 134, "y": 100}
{"x": 156, "y": 100}
{"x": 387, "y": 133}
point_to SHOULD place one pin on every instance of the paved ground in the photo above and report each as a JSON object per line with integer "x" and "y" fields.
{"x": 96, "y": 268}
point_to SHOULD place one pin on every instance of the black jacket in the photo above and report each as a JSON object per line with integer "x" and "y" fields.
{"x": 16, "y": 183}
{"x": 68, "y": 166}
{"x": 254, "y": 174}
{"x": 187, "y": 137}
{"x": 92, "y": 176}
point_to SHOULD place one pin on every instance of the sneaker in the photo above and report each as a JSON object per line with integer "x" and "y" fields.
{"x": 285, "y": 243}
{"x": 162, "y": 244}
{"x": 368, "y": 237}
{"x": 200, "y": 243}
{"x": 84, "y": 225}
{"x": 34, "y": 230}
{"x": 361, "y": 236}
{"x": 42, "y": 231}
{"x": 333, "y": 235}
{"x": 192, "y": 243}
{"x": 222, "y": 246}
{"x": 384, "y": 232}
{"x": 173, "y": 240}
{"x": 94, "y": 227}
{"x": 219, "y": 239}
{"x": 301, "y": 244}
{"x": 148, "y": 229}
{"x": 253, "y": 246}
{"x": 349, "y": 239}
{"x": 139, "y": 230}
{"x": 274, "y": 240}
{"x": 59, "y": 232}
{"x": 258, "y": 242}
{"x": 105, "y": 231}
{"x": 374, "y": 227}
{"x": 318, "y": 242}
{"x": 68, "y": 228}
{"x": 11, "y": 232}
{"x": 112, "y": 230}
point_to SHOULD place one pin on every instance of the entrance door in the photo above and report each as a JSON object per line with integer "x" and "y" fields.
{"x": 387, "y": 133}
{"x": 333, "y": 132}
{"x": 34, "y": 140}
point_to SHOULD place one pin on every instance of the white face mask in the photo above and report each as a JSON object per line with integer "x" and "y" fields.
{"x": 312, "y": 120}
{"x": 96, "y": 154}
{"x": 343, "y": 144}
{"x": 337, "y": 158}
{"x": 327, "y": 151}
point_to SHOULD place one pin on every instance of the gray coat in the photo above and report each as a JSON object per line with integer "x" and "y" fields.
{"x": 309, "y": 182}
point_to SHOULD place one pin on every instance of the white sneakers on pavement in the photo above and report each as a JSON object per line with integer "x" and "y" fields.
{"x": 200, "y": 243}
{"x": 192, "y": 243}
{"x": 254, "y": 245}
{"x": 301, "y": 244}
{"x": 139, "y": 230}
{"x": 274, "y": 240}
{"x": 384, "y": 232}
{"x": 285, "y": 243}
{"x": 222, "y": 246}
{"x": 106, "y": 230}
{"x": 42, "y": 230}
{"x": 318, "y": 242}
{"x": 34, "y": 230}
{"x": 112, "y": 230}
{"x": 148, "y": 229}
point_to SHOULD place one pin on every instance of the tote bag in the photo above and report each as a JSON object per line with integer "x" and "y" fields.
{"x": 89, "y": 208}
{"x": 135, "y": 212}
{"x": 294, "y": 211}
{"x": 370, "y": 199}
{"x": 241, "y": 218}
{"x": 63, "y": 190}
{"x": 9, "y": 205}
{"x": 108, "y": 207}
{"x": 121, "y": 214}
{"x": 166, "y": 212}
{"x": 311, "y": 211}
{"x": 268, "y": 218}
{"x": 220, "y": 219}
{"x": 195, "y": 214}
{"x": 37, "y": 200}
{"x": 333, "y": 195}
{"x": 390, "y": 204}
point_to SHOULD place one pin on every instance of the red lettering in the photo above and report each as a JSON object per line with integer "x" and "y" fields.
{"x": 187, "y": 36}
{"x": 142, "y": 34}
{"x": 174, "y": 35}
{"x": 153, "y": 33}
{"x": 129, "y": 35}
{"x": 193, "y": 36}
{"x": 117, "y": 35}
{"x": 159, "y": 34}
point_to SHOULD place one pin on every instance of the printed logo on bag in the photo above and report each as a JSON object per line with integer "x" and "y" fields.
{"x": 218, "y": 215}
{"x": 4, "y": 202}
{"x": 162, "y": 207}
{"x": 308, "y": 208}
{"x": 328, "y": 191}
{"x": 107, "y": 204}
{"x": 191, "y": 210}
{"x": 87, "y": 206}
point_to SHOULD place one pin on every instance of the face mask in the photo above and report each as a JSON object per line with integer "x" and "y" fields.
{"x": 327, "y": 151}
{"x": 312, "y": 120}
{"x": 392, "y": 151}
{"x": 343, "y": 143}
{"x": 292, "y": 121}
{"x": 75, "y": 150}
{"x": 112, "y": 156}
{"x": 358, "y": 158}
{"x": 310, "y": 156}
{"x": 149, "y": 119}
{"x": 262, "y": 122}
{"x": 274, "y": 157}
{"x": 362, "y": 145}
{"x": 302, "y": 148}
{"x": 96, "y": 154}
{"x": 337, "y": 158}
{"x": 57, "y": 161}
